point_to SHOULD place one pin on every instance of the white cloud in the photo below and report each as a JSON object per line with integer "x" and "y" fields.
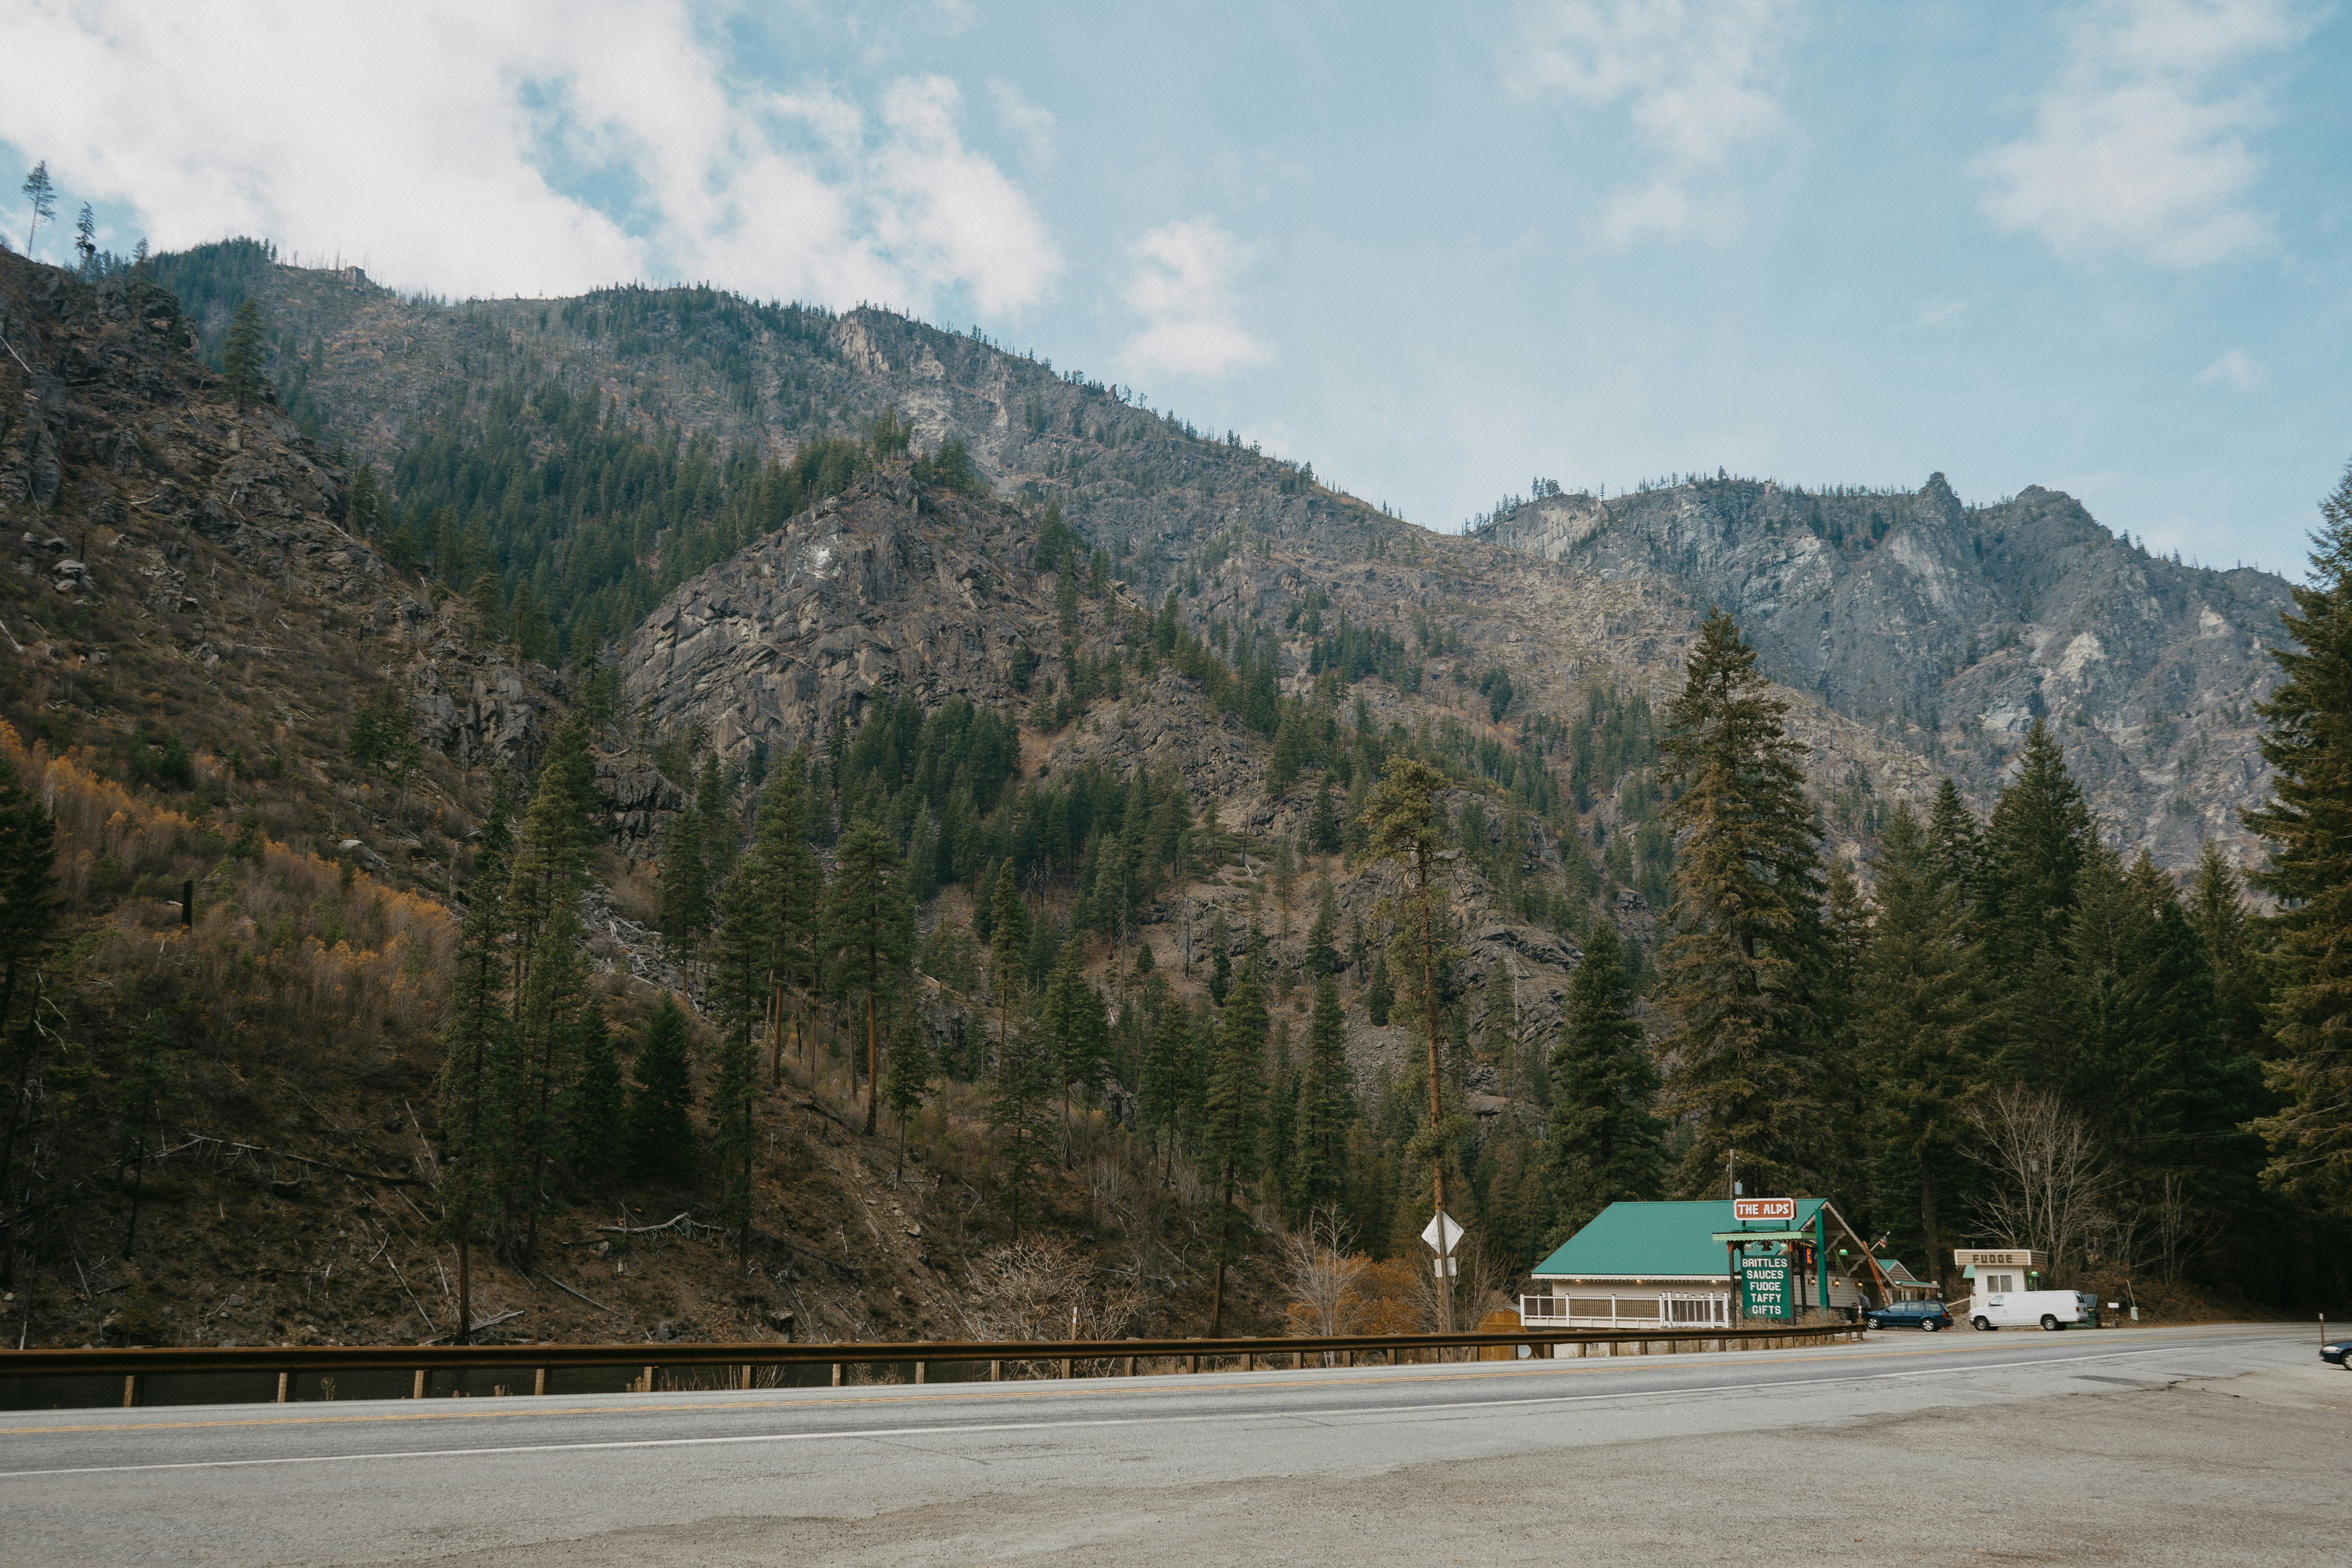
{"x": 1032, "y": 124}
{"x": 1696, "y": 75}
{"x": 2237, "y": 370}
{"x": 2139, "y": 144}
{"x": 529, "y": 145}
{"x": 1183, "y": 288}
{"x": 1942, "y": 312}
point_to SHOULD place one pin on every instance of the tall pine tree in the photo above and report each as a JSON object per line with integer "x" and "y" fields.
{"x": 1604, "y": 1144}
{"x": 1742, "y": 962}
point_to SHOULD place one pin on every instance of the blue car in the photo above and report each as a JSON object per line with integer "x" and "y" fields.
{"x": 1929, "y": 1316}
{"x": 2340, "y": 1352}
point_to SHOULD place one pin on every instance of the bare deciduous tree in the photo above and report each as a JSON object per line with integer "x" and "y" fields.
{"x": 1042, "y": 1288}
{"x": 1323, "y": 1275}
{"x": 2050, "y": 1189}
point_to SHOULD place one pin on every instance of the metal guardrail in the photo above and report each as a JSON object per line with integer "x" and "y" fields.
{"x": 290, "y": 1363}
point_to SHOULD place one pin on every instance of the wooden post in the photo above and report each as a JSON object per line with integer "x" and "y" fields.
{"x": 416, "y": 1391}
{"x": 920, "y": 1367}
{"x": 837, "y": 1374}
{"x": 1249, "y": 1361}
{"x": 538, "y": 1380}
{"x": 1130, "y": 1366}
{"x": 995, "y": 1371}
{"x": 282, "y": 1378}
{"x": 130, "y": 1390}
{"x": 649, "y": 1379}
{"x": 1196, "y": 1363}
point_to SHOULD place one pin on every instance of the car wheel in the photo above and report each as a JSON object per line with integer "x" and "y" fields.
{"x": 1983, "y": 1325}
{"x": 2049, "y": 1324}
{"x": 1930, "y": 1325}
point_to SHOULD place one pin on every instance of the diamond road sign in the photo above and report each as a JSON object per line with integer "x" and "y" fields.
{"x": 1441, "y": 1232}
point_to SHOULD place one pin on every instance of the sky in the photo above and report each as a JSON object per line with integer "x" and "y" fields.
{"x": 1438, "y": 250}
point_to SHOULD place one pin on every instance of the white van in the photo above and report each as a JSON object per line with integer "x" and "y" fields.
{"x": 1998, "y": 1304}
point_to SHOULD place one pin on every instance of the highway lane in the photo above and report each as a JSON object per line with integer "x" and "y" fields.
{"x": 668, "y": 1477}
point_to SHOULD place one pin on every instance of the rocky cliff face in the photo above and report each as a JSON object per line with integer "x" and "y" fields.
{"x": 1949, "y": 628}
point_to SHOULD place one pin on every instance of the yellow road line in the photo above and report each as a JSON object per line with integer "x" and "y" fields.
{"x": 1038, "y": 1388}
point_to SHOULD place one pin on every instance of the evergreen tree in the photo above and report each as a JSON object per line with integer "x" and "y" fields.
{"x": 662, "y": 1145}
{"x": 1233, "y": 1115}
{"x": 734, "y": 1136}
{"x": 870, "y": 933}
{"x": 2034, "y": 850}
{"x": 1221, "y": 958}
{"x": 242, "y": 357}
{"x": 1956, "y": 842}
{"x": 1076, "y": 1032}
{"x": 1008, "y": 934}
{"x": 1322, "y": 956}
{"x": 912, "y": 1063}
{"x": 1378, "y": 994}
{"x": 1605, "y": 1144}
{"x": 741, "y": 983}
{"x": 1167, "y": 1067}
{"x": 1918, "y": 1017}
{"x": 29, "y": 907}
{"x": 1323, "y": 832}
{"x": 1499, "y": 1039}
{"x": 42, "y": 194}
{"x": 596, "y": 1106}
{"x": 2307, "y": 823}
{"x": 2217, "y": 909}
{"x": 682, "y": 912}
{"x": 786, "y": 874}
{"x": 475, "y": 1041}
{"x": 1741, "y": 966}
{"x": 1318, "y": 1173}
{"x": 1019, "y": 1112}
{"x": 1404, "y": 821}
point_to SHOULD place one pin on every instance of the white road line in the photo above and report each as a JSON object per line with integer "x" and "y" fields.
{"x": 857, "y": 1434}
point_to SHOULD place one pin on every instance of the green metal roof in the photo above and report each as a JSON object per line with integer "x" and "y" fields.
{"x": 1644, "y": 1241}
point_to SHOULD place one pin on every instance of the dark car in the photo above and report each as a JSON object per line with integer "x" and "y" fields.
{"x": 2340, "y": 1352}
{"x": 1929, "y": 1315}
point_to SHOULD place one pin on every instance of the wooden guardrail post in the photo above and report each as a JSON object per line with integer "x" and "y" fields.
{"x": 130, "y": 1390}
{"x": 281, "y": 1386}
{"x": 424, "y": 1378}
{"x": 919, "y": 1366}
{"x": 538, "y": 1380}
{"x": 649, "y": 1379}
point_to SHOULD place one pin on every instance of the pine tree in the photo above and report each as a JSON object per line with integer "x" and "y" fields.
{"x": 2034, "y": 850}
{"x": 1076, "y": 1033}
{"x": 42, "y": 194}
{"x": 1499, "y": 1039}
{"x": 476, "y": 1042}
{"x": 734, "y": 1136}
{"x": 784, "y": 871}
{"x": 29, "y": 907}
{"x": 912, "y": 1063}
{"x": 1322, "y": 955}
{"x": 1378, "y": 994}
{"x": 2217, "y": 909}
{"x": 2307, "y": 823}
{"x": 1233, "y": 1115}
{"x": 1221, "y": 958}
{"x": 741, "y": 983}
{"x": 1019, "y": 1112}
{"x": 870, "y": 934}
{"x": 1956, "y": 841}
{"x": 1318, "y": 1174}
{"x": 595, "y": 1110}
{"x": 684, "y": 911}
{"x": 1919, "y": 1019}
{"x": 662, "y": 1145}
{"x": 1742, "y": 960}
{"x": 1323, "y": 831}
{"x": 1167, "y": 1064}
{"x": 242, "y": 357}
{"x": 1604, "y": 1144}
{"x": 1008, "y": 934}
{"x": 1404, "y": 822}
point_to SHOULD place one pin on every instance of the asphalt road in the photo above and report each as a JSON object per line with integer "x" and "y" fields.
{"x": 2188, "y": 1446}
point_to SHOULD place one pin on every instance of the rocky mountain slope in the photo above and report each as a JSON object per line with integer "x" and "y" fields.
{"x": 1943, "y": 627}
{"x": 1950, "y": 627}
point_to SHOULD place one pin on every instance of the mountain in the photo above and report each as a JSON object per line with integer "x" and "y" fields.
{"x": 1950, "y": 627}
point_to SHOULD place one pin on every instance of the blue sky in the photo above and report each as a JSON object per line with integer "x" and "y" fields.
{"x": 1436, "y": 250}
